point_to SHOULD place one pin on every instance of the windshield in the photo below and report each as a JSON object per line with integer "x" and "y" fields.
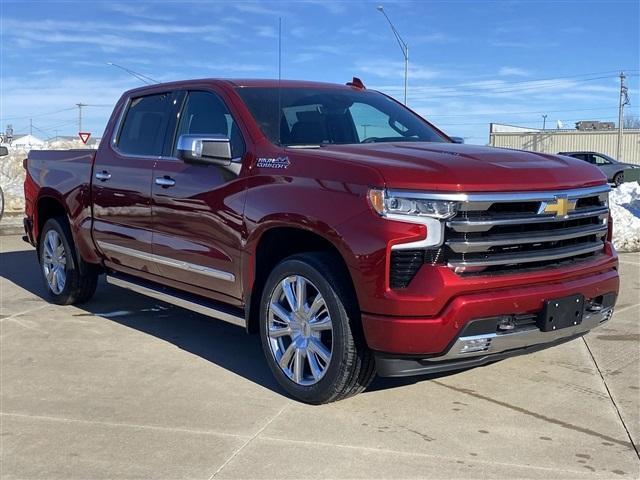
{"x": 317, "y": 116}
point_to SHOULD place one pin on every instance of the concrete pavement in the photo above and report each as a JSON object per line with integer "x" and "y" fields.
{"x": 126, "y": 387}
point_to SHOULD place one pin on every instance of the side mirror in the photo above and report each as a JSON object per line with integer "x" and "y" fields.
{"x": 4, "y": 151}
{"x": 457, "y": 139}
{"x": 206, "y": 149}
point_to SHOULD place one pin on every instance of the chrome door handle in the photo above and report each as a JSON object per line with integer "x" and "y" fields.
{"x": 103, "y": 176}
{"x": 165, "y": 181}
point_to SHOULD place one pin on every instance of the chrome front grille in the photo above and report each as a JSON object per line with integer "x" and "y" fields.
{"x": 505, "y": 232}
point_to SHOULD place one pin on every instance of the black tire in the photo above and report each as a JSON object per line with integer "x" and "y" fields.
{"x": 351, "y": 367}
{"x": 618, "y": 179}
{"x": 80, "y": 284}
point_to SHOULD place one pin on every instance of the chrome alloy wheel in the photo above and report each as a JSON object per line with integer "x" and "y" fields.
{"x": 299, "y": 330}
{"x": 54, "y": 262}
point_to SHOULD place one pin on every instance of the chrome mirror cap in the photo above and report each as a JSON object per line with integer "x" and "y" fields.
{"x": 214, "y": 149}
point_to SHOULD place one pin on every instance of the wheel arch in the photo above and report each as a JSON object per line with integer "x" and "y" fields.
{"x": 47, "y": 206}
{"x": 274, "y": 243}
{"x": 50, "y": 205}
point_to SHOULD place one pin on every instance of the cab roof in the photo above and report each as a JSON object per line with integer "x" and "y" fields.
{"x": 238, "y": 83}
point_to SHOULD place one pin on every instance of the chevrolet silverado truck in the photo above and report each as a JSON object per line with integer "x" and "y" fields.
{"x": 348, "y": 232}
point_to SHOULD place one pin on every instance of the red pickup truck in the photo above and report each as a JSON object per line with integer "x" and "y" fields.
{"x": 354, "y": 236}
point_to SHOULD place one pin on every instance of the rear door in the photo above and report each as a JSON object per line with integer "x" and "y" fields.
{"x": 123, "y": 175}
{"x": 198, "y": 209}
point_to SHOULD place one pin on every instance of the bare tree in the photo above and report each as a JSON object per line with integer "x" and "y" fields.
{"x": 632, "y": 121}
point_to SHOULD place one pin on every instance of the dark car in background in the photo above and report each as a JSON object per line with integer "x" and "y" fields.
{"x": 616, "y": 172}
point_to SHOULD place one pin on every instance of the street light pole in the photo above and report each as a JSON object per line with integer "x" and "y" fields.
{"x": 403, "y": 46}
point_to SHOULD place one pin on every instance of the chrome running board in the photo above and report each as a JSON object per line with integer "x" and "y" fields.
{"x": 185, "y": 300}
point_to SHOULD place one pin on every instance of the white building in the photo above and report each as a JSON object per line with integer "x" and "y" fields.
{"x": 561, "y": 140}
{"x": 27, "y": 142}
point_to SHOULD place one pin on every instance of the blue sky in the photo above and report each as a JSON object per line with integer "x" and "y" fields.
{"x": 472, "y": 62}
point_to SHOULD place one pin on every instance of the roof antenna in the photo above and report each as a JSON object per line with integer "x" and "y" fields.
{"x": 279, "y": 113}
{"x": 143, "y": 78}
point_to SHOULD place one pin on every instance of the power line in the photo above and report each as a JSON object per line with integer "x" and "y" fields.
{"x": 480, "y": 90}
{"x": 521, "y": 113}
{"x": 521, "y": 121}
{"x": 35, "y": 115}
{"x": 448, "y": 92}
{"x": 500, "y": 82}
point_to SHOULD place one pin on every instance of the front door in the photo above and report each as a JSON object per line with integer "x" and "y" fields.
{"x": 197, "y": 208}
{"x": 123, "y": 175}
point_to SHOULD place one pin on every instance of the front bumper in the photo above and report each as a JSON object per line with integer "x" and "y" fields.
{"x": 490, "y": 347}
{"x": 434, "y": 336}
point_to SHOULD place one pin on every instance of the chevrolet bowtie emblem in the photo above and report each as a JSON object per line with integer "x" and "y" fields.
{"x": 561, "y": 206}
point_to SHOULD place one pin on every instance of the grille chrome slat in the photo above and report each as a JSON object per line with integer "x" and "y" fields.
{"x": 502, "y": 233}
{"x": 485, "y": 224}
{"x": 487, "y": 242}
{"x": 529, "y": 257}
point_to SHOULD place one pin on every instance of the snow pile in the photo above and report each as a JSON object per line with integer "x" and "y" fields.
{"x": 625, "y": 210}
{"x": 11, "y": 181}
{"x": 12, "y": 173}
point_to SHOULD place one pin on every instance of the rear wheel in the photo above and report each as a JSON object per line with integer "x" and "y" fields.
{"x": 618, "y": 179}
{"x": 65, "y": 282}
{"x": 309, "y": 330}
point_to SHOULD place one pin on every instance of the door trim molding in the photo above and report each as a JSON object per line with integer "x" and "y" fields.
{"x": 169, "y": 262}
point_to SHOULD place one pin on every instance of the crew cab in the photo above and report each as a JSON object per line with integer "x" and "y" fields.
{"x": 348, "y": 232}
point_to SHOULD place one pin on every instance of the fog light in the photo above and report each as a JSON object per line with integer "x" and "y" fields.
{"x": 475, "y": 345}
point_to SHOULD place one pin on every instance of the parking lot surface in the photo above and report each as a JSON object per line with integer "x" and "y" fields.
{"x": 126, "y": 387}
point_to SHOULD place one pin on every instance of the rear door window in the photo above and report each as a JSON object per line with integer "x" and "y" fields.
{"x": 144, "y": 129}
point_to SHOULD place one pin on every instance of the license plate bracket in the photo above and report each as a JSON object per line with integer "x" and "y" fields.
{"x": 561, "y": 313}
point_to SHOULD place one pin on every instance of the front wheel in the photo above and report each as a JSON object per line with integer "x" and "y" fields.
{"x": 309, "y": 330}
{"x": 65, "y": 282}
{"x": 618, "y": 179}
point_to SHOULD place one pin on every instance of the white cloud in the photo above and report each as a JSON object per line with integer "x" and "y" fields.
{"x": 332, "y": 6}
{"x": 513, "y": 71}
{"x": 436, "y": 37}
{"x": 266, "y": 31}
{"x": 520, "y": 44}
{"x": 107, "y": 42}
{"x": 135, "y": 10}
{"x": 382, "y": 69}
{"x": 108, "y": 36}
{"x": 298, "y": 32}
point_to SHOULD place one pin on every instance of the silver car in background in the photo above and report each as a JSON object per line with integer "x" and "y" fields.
{"x": 616, "y": 172}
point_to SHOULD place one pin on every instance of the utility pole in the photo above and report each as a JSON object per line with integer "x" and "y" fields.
{"x": 624, "y": 100}
{"x": 80, "y": 105}
{"x": 544, "y": 122}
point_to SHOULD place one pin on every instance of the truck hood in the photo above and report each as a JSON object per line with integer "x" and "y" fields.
{"x": 468, "y": 168}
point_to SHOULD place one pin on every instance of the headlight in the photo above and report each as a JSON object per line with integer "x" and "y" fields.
{"x": 385, "y": 204}
{"x": 405, "y": 207}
